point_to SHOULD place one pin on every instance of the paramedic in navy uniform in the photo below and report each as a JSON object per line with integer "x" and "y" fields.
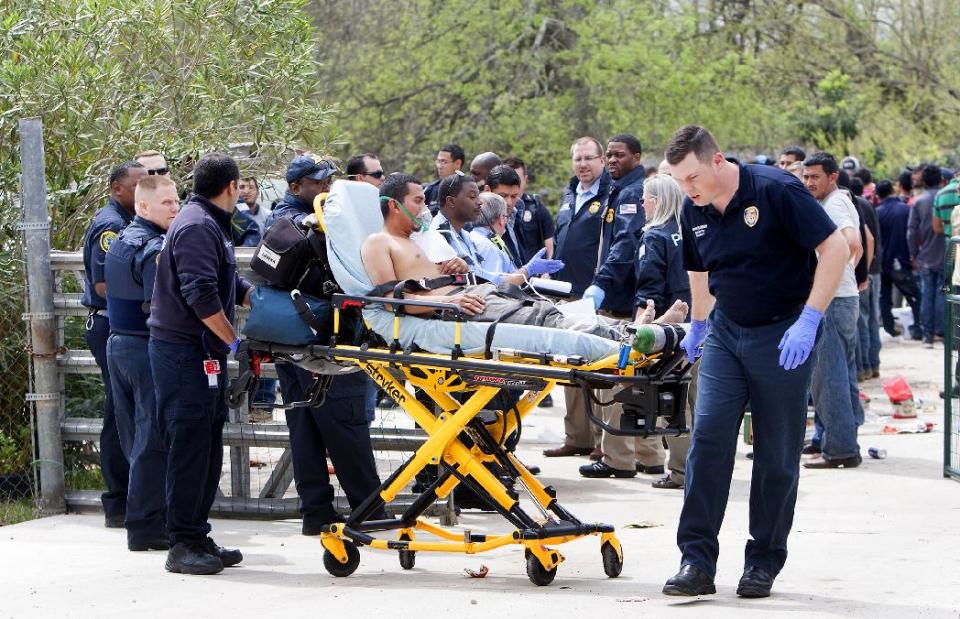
{"x": 751, "y": 236}
{"x": 339, "y": 425}
{"x": 191, "y": 314}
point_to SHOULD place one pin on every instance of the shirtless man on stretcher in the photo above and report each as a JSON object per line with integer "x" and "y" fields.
{"x": 390, "y": 255}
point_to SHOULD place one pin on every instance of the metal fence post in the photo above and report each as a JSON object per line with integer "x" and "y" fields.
{"x": 43, "y": 333}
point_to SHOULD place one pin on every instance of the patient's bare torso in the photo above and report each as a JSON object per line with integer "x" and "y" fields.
{"x": 410, "y": 262}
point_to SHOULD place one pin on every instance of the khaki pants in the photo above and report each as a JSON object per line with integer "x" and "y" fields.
{"x": 678, "y": 445}
{"x": 580, "y": 433}
{"x": 622, "y": 452}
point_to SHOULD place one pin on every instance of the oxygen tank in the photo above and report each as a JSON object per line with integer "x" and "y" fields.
{"x": 654, "y": 338}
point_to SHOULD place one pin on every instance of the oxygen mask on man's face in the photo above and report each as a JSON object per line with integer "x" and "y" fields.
{"x": 421, "y": 222}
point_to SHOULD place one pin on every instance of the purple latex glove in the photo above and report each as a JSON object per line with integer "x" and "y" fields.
{"x": 233, "y": 346}
{"x": 799, "y": 339}
{"x": 539, "y": 265}
{"x": 692, "y": 342}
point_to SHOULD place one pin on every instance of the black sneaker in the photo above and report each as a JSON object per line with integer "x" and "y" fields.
{"x": 547, "y": 402}
{"x": 193, "y": 559}
{"x": 810, "y": 450}
{"x": 160, "y": 543}
{"x": 228, "y": 556}
{"x": 601, "y": 469}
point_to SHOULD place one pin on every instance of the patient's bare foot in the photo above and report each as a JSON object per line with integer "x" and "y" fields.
{"x": 677, "y": 313}
{"x": 645, "y": 316}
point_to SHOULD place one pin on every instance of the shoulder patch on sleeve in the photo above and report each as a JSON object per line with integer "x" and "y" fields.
{"x": 628, "y": 209}
{"x": 107, "y": 237}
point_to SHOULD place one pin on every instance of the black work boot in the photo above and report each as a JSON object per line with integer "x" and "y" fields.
{"x": 186, "y": 558}
{"x": 228, "y": 556}
{"x": 689, "y": 581}
{"x": 755, "y": 583}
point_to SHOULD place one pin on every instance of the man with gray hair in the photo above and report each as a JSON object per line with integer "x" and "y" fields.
{"x": 487, "y": 234}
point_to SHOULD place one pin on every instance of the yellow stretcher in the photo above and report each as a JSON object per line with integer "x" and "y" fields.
{"x": 465, "y": 438}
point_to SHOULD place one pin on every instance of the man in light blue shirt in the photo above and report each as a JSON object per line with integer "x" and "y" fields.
{"x": 460, "y": 204}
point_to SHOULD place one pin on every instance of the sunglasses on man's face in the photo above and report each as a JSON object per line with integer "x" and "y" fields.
{"x": 377, "y": 174}
{"x": 158, "y": 172}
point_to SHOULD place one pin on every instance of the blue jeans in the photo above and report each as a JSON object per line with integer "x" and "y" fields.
{"x": 741, "y": 364}
{"x": 931, "y": 302}
{"x": 836, "y": 395}
{"x": 135, "y": 406}
{"x": 868, "y": 326}
{"x": 191, "y": 415}
{"x": 113, "y": 464}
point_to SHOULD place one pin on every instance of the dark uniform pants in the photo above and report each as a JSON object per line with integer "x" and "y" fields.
{"x": 135, "y": 403}
{"x": 741, "y": 364}
{"x": 338, "y": 427}
{"x": 191, "y": 415}
{"x": 113, "y": 464}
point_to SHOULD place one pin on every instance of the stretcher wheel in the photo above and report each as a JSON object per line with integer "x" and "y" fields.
{"x": 612, "y": 563}
{"x": 538, "y": 574}
{"x": 340, "y": 570}
{"x": 408, "y": 558}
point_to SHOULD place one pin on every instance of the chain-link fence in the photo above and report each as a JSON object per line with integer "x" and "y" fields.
{"x": 17, "y": 472}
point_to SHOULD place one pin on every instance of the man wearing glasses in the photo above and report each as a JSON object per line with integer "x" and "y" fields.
{"x": 579, "y": 223}
{"x": 365, "y": 168}
{"x": 154, "y": 162}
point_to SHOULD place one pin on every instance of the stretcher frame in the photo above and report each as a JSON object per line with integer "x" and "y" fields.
{"x": 463, "y": 437}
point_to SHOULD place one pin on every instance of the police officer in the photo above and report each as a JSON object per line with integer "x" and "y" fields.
{"x": 130, "y": 269}
{"x": 579, "y": 222}
{"x": 505, "y": 182}
{"x": 339, "y": 425}
{"x": 196, "y": 289}
{"x": 623, "y": 221}
{"x": 450, "y": 160}
{"x": 759, "y": 293}
{"x": 104, "y": 229}
{"x": 534, "y": 223}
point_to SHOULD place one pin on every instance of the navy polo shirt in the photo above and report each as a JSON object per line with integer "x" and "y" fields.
{"x": 103, "y": 231}
{"x": 760, "y": 251}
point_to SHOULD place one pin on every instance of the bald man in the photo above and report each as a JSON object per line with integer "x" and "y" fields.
{"x": 482, "y": 164}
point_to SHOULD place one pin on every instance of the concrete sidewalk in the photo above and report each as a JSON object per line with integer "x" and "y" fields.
{"x": 880, "y": 540}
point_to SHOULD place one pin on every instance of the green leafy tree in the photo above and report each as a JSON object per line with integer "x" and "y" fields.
{"x": 111, "y": 78}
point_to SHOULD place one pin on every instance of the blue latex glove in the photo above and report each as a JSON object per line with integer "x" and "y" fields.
{"x": 233, "y": 346}
{"x": 692, "y": 342}
{"x": 596, "y": 294}
{"x": 539, "y": 265}
{"x": 799, "y": 339}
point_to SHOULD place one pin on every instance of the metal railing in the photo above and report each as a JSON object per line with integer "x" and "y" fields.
{"x": 951, "y": 344}
{"x": 239, "y": 434}
{"x": 49, "y": 308}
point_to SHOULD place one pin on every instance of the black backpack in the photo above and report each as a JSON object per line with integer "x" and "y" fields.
{"x": 288, "y": 258}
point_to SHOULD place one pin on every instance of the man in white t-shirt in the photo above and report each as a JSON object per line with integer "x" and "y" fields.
{"x": 836, "y": 395}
